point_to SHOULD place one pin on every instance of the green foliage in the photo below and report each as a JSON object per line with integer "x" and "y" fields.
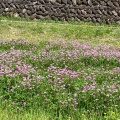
{"x": 68, "y": 80}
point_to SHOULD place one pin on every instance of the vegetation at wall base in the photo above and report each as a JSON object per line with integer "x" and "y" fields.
{"x": 43, "y": 30}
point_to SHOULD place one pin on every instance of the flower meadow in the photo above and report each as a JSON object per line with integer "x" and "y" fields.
{"x": 65, "y": 78}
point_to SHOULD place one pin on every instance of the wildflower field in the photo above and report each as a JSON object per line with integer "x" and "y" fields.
{"x": 67, "y": 79}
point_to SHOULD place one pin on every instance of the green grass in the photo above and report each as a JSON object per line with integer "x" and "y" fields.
{"x": 6, "y": 114}
{"x": 43, "y": 31}
{"x": 41, "y": 115}
{"x": 58, "y": 30}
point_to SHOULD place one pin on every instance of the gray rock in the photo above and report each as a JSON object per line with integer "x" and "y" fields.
{"x": 21, "y": 15}
{"x": 90, "y": 2}
{"x": 79, "y": 11}
{"x": 116, "y": 4}
{"x": 118, "y": 22}
{"x": 12, "y": 5}
{"x": 19, "y": 11}
{"x": 38, "y": 12}
{"x": 48, "y": 8}
{"x": 53, "y": 1}
{"x": 16, "y": 6}
{"x": 74, "y": 2}
{"x": 79, "y": 2}
{"x": 42, "y": 1}
{"x": 46, "y": 1}
{"x": 102, "y": 3}
{"x": 26, "y": 15}
{"x": 26, "y": 6}
{"x": 10, "y": 1}
{"x": 3, "y": 5}
{"x": 108, "y": 21}
{"x": 33, "y": 0}
{"x": 89, "y": 19}
{"x": 59, "y": 1}
{"x": 68, "y": 11}
{"x": 110, "y": 4}
{"x": 6, "y": 9}
{"x": 83, "y": 12}
{"x": 63, "y": 10}
{"x": 119, "y": 13}
{"x": 72, "y": 10}
{"x": 115, "y": 13}
{"x": 99, "y": 20}
{"x": 33, "y": 16}
{"x": 69, "y": 2}
{"x": 28, "y": 12}
{"x": 54, "y": 18}
{"x": 24, "y": 10}
{"x": 64, "y": 1}
{"x": 33, "y": 11}
{"x": 34, "y": 3}
{"x": 93, "y": 19}
{"x": 44, "y": 14}
{"x": 89, "y": 11}
{"x": 99, "y": 12}
{"x": 84, "y": 2}
{"x": 104, "y": 12}
{"x": 21, "y": 6}
{"x": 16, "y": 15}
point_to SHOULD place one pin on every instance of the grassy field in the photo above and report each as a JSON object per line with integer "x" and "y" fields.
{"x": 47, "y": 30}
{"x": 59, "y": 71}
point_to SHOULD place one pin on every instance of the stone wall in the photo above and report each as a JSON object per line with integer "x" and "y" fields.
{"x": 86, "y": 10}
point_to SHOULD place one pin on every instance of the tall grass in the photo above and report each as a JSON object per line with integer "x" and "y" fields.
{"x": 11, "y": 114}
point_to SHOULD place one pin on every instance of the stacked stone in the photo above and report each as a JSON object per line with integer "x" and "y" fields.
{"x": 86, "y": 10}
